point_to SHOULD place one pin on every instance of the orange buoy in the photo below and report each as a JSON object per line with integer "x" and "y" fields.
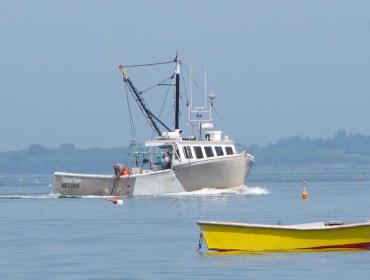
{"x": 304, "y": 193}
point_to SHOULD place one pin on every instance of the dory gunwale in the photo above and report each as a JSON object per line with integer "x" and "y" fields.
{"x": 305, "y": 227}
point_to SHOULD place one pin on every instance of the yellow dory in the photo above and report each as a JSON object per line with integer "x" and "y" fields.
{"x": 335, "y": 235}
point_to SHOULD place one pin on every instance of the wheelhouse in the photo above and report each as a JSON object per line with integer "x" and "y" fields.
{"x": 196, "y": 151}
{"x": 190, "y": 149}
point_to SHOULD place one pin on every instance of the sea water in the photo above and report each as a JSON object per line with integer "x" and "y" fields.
{"x": 44, "y": 236}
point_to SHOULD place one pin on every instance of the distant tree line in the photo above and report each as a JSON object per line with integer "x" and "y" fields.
{"x": 343, "y": 149}
{"x": 347, "y": 150}
{"x": 38, "y": 159}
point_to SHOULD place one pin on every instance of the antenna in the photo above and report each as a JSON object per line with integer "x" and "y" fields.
{"x": 211, "y": 97}
{"x": 205, "y": 86}
{"x": 200, "y": 116}
{"x": 191, "y": 94}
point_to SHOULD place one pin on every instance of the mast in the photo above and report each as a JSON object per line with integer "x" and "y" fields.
{"x": 177, "y": 94}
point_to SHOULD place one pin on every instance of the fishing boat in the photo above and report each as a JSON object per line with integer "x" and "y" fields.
{"x": 334, "y": 235}
{"x": 174, "y": 162}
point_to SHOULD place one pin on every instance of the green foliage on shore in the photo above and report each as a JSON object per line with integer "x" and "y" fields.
{"x": 346, "y": 150}
{"x": 343, "y": 150}
{"x": 38, "y": 159}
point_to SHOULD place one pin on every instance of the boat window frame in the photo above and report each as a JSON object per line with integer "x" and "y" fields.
{"x": 187, "y": 152}
{"x": 229, "y": 148}
{"x": 219, "y": 150}
{"x": 209, "y": 148}
{"x": 177, "y": 154}
{"x": 196, "y": 154}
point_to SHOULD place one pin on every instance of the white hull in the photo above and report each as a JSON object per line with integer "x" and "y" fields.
{"x": 154, "y": 183}
{"x": 222, "y": 173}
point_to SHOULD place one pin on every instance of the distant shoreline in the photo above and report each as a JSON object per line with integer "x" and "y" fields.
{"x": 340, "y": 153}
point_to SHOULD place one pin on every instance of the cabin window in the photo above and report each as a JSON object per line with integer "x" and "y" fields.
{"x": 177, "y": 154}
{"x": 209, "y": 151}
{"x": 198, "y": 152}
{"x": 187, "y": 152}
{"x": 219, "y": 151}
{"x": 229, "y": 150}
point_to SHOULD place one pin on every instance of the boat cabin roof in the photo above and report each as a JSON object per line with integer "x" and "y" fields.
{"x": 163, "y": 142}
{"x": 171, "y": 138}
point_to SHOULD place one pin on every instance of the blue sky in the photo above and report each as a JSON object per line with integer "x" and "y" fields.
{"x": 278, "y": 68}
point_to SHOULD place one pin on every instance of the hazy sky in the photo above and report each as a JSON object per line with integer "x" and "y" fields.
{"x": 278, "y": 68}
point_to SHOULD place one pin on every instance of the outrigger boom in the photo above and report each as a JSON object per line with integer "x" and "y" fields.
{"x": 142, "y": 104}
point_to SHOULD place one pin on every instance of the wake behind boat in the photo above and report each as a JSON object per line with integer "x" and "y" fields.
{"x": 173, "y": 163}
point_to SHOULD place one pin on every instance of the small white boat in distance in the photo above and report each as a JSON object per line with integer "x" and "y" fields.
{"x": 174, "y": 163}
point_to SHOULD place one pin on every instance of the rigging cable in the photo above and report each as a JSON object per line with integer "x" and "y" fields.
{"x": 184, "y": 84}
{"x": 191, "y": 77}
{"x": 158, "y": 84}
{"x": 150, "y": 64}
{"x": 218, "y": 115}
{"x": 132, "y": 124}
{"x": 148, "y": 115}
{"x": 165, "y": 99}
